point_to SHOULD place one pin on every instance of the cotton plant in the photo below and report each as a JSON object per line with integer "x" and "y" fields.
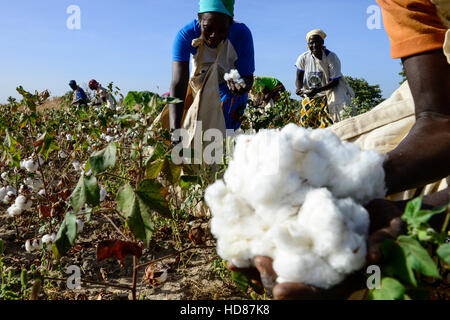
{"x": 31, "y": 165}
{"x": 296, "y": 195}
{"x": 7, "y": 194}
{"x": 20, "y": 205}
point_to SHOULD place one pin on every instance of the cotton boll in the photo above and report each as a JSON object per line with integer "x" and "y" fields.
{"x": 20, "y": 201}
{"x": 4, "y": 175}
{"x": 305, "y": 268}
{"x": 315, "y": 169}
{"x": 47, "y": 239}
{"x": 37, "y": 244}
{"x": 11, "y": 191}
{"x": 28, "y": 246}
{"x": 42, "y": 193}
{"x": 76, "y": 165}
{"x": 352, "y": 256}
{"x": 31, "y": 166}
{"x": 14, "y": 210}
{"x": 6, "y": 199}
{"x": 294, "y": 195}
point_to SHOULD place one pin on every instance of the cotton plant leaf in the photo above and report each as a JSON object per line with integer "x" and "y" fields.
{"x": 104, "y": 159}
{"x": 396, "y": 262}
{"x": 87, "y": 191}
{"x": 138, "y": 207}
{"x": 417, "y": 257}
{"x": 444, "y": 252}
{"x": 391, "y": 289}
{"x": 66, "y": 235}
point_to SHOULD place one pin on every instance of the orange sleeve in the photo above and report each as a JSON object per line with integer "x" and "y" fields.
{"x": 413, "y": 26}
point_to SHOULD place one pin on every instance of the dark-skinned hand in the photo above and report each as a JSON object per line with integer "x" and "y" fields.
{"x": 386, "y": 223}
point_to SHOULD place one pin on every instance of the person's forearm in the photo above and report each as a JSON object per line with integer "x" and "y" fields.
{"x": 423, "y": 156}
{"x": 329, "y": 86}
{"x": 177, "y": 90}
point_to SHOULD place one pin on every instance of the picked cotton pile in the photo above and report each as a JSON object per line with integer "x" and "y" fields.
{"x": 296, "y": 196}
{"x": 234, "y": 76}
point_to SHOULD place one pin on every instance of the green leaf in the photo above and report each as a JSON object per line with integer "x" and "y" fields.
{"x": 86, "y": 191}
{"x": 396, "y": 262}
{"x": 46, "y": 141}
{"x": 137, "y": 213}
{"x": 171, "y": 171}
{"x": 412, "y": 208}
{"x": 66, "y": 236}
{"x": 2, "y": 247}
{"x": 102, "y": 160}
{"x": 241, "y": 280}
{"x": 443, "y": 252}
{"x": 154, "y": 195}
{"x": 154, "y": 169}
{"x": 132, "y": 99}
{"x": 391, "y": 289}
{"x": 186, "y": 181}
{"x": 416, "y": 217}
{"x": 417, "y": 257}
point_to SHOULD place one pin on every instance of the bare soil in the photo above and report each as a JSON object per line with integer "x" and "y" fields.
{"x": 191, "y": 276}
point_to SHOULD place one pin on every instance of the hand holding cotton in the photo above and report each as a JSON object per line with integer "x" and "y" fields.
{"x": 296, "y": 195}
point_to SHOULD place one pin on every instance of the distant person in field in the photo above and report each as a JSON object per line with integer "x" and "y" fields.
{"x": 102, "y": 95}
{"x": 266, "y": 91}
{"x": 79, "y": 96}
{"x": 214, "y": 38}
{"x": 421, "y": 158}
{"x": 318, "y": 79}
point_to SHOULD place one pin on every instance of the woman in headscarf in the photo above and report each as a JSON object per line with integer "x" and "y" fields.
{"x": 214, "y": 37}
{"x": 318, "y": 70}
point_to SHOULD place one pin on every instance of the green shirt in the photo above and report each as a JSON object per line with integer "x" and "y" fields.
{"x": 268, "y": 83}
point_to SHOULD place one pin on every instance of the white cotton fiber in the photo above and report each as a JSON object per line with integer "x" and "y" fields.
{"x": 296, "y": 195}
{"x": 234, "y": 76}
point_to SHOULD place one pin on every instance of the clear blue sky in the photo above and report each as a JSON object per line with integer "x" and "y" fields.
{"x": 130, "y": 42}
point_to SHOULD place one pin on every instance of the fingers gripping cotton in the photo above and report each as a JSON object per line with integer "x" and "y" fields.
{"x": 296, "y": 195}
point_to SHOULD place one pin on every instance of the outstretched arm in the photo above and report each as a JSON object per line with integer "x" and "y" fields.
{"x": 424, "y": 155}
{"x": 178, "y": 89}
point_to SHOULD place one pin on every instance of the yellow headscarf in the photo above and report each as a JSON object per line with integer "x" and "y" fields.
{"x": 316, "y": 32}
